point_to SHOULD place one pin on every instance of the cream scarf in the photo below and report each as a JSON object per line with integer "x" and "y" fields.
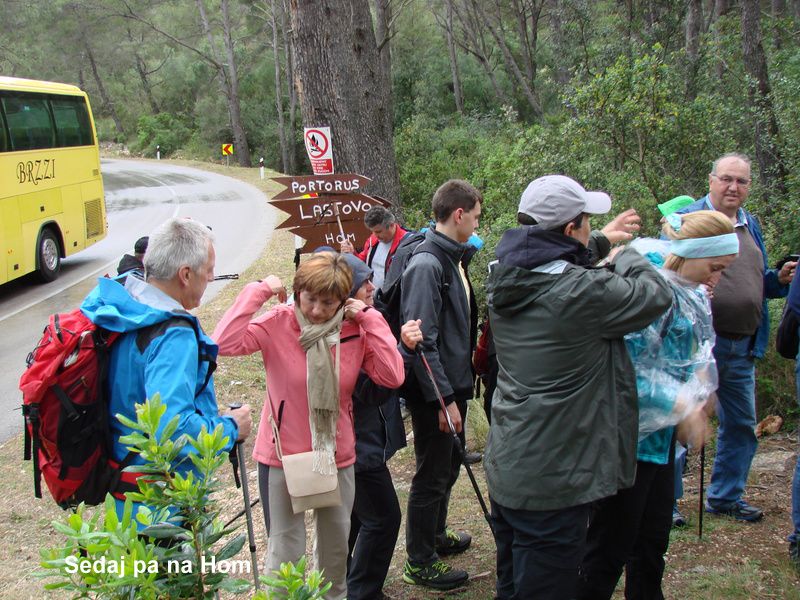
{"x": 322, "y": 382}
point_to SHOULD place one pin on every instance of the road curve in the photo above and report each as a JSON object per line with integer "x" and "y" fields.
{"x": 139, "y": 196}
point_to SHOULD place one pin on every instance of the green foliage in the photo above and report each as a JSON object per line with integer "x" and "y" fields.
{"x": 291, "y": 583}
{"x": 178, "y": 526}
{"x": 431, "y": 151}
{"x": 635, "y": 135}
{"x": 165, "y": 130}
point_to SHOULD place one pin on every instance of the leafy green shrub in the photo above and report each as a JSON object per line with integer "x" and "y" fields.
{"x": 165, "y": 130}
{"x": 171, "y": 557}
{"x": 291, "y": 583}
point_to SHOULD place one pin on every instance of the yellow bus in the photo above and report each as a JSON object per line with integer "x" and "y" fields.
{"x": 51, "y": 191}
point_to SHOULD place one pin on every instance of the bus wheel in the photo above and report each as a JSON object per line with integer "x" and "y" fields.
{"x": 49, "y": 256}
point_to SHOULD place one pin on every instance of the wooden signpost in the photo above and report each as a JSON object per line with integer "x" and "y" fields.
{"x": 302, "y": 185}
{"x": 308, "y": 212}
{"x": 325, "y": 210}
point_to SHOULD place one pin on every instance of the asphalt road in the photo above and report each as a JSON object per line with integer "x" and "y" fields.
{"x": 139, "y": 197}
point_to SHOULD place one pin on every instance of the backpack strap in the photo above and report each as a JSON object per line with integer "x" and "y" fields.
{"x": 147, "y": 334}
{"x": 442, "y": 257}
{"x": 123, "y": 481}
{"x": 30, "y": 414}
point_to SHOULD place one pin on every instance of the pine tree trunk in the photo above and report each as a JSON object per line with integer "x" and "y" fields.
{"x": 383, "y": 35}
{"x": 772, "y": 171}
{"x": 279, "y": 92}
{"x": 451, "y": 53}
{"x": 291, "y": 89}
{"x": 108, "y": 103}
{"x": 778, "y": 12}
{"x": 341, "y": 85}
{"x": 694, "y": 23}
{"x": 560, "y": 42}
{"x": 239, "y": 134}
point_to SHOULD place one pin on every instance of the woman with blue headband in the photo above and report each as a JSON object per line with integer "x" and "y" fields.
{"x": 675, "y": 378}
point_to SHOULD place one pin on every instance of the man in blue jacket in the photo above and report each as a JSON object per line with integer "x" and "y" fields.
{"x": 163, "y": 349}
{"x": 741, "y": 322}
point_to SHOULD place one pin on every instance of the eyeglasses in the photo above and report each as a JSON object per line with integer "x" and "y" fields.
{"x": 728, "y": 180}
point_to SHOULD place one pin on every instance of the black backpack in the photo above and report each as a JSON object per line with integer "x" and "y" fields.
{"x": 388, "y": 297}
{"x": 786, "y": 340}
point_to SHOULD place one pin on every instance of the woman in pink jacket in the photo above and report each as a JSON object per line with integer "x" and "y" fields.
{"x": 299, "y": 345}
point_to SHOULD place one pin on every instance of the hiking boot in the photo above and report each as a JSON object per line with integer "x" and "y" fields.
{"x": 452, "y": 542}
{"x": 678, "y": 520}
{"x": 794, "y": 555}
{"x": 439, "y": 576}
{"x": 472, "y": 458}
{"x": 740, "y": 510}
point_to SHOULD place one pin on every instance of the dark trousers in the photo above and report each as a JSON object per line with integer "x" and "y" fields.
{"x": 374, "y": 526}
{"x": 538, "y": 551}
{"x": 631, "y": 530}
{"x": 438, "y": 465}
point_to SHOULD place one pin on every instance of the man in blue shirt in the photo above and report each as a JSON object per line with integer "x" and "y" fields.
{"x": 741, "y": 322}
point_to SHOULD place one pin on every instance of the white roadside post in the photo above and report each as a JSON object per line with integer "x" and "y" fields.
{"x": 261, "y": 166}
{"x": 158, "y": 152}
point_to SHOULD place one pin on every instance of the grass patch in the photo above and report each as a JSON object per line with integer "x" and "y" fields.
{"x": 719, "y": 583}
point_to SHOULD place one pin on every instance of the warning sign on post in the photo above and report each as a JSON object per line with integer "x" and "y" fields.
{"x": 318, "y": 147}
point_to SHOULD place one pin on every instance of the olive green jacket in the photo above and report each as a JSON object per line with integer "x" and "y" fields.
{"x": 564, "y": 415}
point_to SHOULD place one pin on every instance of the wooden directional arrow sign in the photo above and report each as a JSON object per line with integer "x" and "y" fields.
{"x": 328, "y": 234}
{"x": 301, "y": 185}
{"x": 306, "y": 212}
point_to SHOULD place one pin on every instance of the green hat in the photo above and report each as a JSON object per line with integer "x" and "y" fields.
{"x": 677, "y": 203}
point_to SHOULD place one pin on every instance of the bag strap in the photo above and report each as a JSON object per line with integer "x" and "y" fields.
{"x": 276, "y": 434}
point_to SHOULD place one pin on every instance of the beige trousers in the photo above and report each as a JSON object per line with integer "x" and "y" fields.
{"x": 286, "y": 531}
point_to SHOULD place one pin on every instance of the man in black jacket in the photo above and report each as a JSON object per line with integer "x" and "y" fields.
{"x": 449, "y": 325}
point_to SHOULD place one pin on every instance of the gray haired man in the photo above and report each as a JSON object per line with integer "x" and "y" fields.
{"x": 162, "y": 348}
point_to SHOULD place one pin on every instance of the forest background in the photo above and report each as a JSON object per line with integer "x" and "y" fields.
{"x": 635, "y": 97}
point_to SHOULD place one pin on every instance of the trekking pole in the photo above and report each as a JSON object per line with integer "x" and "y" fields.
{"x": 702, "y": 489}
{"x": 240, "y": 514}
{"x": 251, "y": 538}
{"x": 461, "y": 451}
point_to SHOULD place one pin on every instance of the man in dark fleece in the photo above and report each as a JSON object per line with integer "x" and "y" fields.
{"x": 449, "y": 317}
{"x": 135, "y": 262}
{"x": 564, "y": 416}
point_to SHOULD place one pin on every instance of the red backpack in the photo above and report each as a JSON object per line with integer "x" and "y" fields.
{"x": 66, "y": 412}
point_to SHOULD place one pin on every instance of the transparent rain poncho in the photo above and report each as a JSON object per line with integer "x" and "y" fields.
{"x": 675, "y": 368}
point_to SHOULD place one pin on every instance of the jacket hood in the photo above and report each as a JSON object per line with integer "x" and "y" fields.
{"x": 361, "y": 272}
{"x": 530, "y": 247}
{"x": 512, "y": 285}
{"x": 510, "y": 290}
{"x": 129, "y": 263}
{"x": 110, "y": 305}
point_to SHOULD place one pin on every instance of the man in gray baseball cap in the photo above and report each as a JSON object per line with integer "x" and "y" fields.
{"x": 553, "y": 200}
{"x": 564, "y": 415}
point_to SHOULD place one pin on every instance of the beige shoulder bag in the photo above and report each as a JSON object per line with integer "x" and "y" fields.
{"x": 307, "y": 488}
